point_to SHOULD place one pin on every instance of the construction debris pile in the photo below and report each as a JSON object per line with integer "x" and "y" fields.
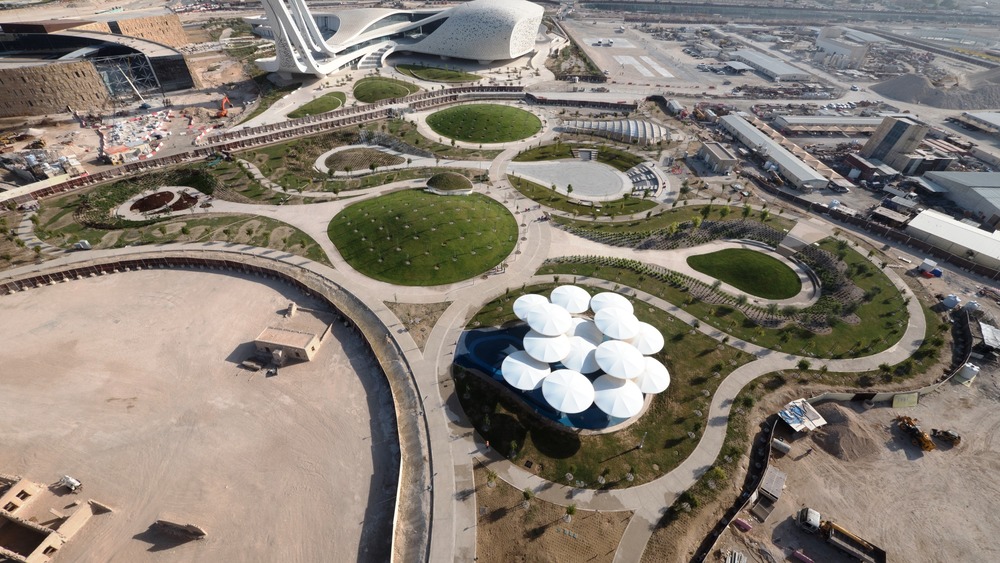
{"x": 136, "y": 138}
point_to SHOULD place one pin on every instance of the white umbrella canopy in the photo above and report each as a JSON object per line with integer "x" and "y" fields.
{"x": 608, "y": 299}
{"x": 581, "y": 356}
{"x": 573, "y": 298}
{"x": 617, "y": 323}
{"x": 649, "y": 340}
{"x": 619, "y": 398}
{"x": 620, "y": 359}
{"x": 655, "y": 379}
{"x": 549, "y": 319}
{"x": 524, "y": 372}
{"x": 526, "y": 303}
{"x": 587, "y": 330}
{"x": 568, "y": 391}
{"x": 547, "y": 349}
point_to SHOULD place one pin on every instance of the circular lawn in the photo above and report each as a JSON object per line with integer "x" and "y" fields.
{"x": 374, "y": 89}
{"x": 749, "y": 271}
{"x": 417, "y": 238}
{"x": 484, "y": 123}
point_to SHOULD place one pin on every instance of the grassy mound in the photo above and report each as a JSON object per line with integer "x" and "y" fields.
{"x": 436, "y": 74}
{"x": 449, "y": 182}
{"x": 416, "y": 238}
{"x": 616, "y": 158}
{"x": 371, "y": 90}
{"x": 362, "y": 159}
{"x": 750, "y": 271}
{"x": 484, "y": 123}
{"x": 322, "y": 104}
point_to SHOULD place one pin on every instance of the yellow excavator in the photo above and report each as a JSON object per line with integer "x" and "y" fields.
{"x": 917, "y": 436}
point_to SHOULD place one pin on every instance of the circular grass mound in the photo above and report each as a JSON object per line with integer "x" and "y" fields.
{"x": 417, "y": 238}
{"x": 371, "y": 90}
{"x": 749, "y": 271}
{"x": 484, "y": 123}
{"x": 449, "y": 182}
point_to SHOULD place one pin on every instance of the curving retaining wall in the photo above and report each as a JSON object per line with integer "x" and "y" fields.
{"x": 414, "y": 502}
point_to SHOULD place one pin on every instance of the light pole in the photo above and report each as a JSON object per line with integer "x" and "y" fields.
{"x": 643, "y": 441}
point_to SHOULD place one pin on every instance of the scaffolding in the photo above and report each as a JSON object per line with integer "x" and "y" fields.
{"x": 127, "y": 76}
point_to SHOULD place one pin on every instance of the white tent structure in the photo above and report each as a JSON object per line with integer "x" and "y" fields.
{"x": 587, "y": 330}
{"x": 568, "y": 391}
{"x": 619, "y": 398}
{"x": 527, "y": 303}
{"x": 581, "y": 356}
{"x": 649, "y": 340}
{"x": 617, "y": 323}
{"x": 524, "y": 372}
{"x": 546, "y": 348}
{"x": 549, "y": 319}
{"x": 655, "y": 379}
{"x": 573, "y": 298}
{"x": 620, "y": 359}
{"x": 608, "y": 299}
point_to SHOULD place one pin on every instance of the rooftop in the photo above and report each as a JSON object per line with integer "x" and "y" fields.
{"x": 947, "y": 228}
{"x": 829, "y": 120}
{"x": 285, "y": 337}
{"x": 774, "y": 66}
{"x": 791, "y": 165}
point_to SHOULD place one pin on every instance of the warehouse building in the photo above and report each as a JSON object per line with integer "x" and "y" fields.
{"x": 790, "y": 167}
{"x": 826, "y": 124}
{"x": 986, "y": 121}
{"x": 773, "y": 68}
{"x": 720, "y": 159}
{"x": 956, "y": 237}
{"x": 978, "y": 192}
{"x": 838, "y": 49}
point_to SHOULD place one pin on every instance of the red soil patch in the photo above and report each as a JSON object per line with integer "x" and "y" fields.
{"x": 151, "y": 202}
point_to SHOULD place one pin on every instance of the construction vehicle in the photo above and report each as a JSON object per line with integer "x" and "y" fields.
{"x": 917, "y": 436}
{"x": 837, "y": 536}
{"x": 223, "y": 107}
{"x": 947, "y": 436}
{"x": 70, "y": 483}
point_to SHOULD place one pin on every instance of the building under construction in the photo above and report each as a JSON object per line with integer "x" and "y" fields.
{"x": 48, "y": 65}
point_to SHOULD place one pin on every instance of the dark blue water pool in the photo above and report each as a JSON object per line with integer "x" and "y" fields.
{"x": 484, "y": 350}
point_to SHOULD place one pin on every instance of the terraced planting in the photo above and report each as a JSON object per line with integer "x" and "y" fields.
{"x": 672, "y": 425}
{"x": 416, "y": 238}
{"x": 551, "y": 198}
{"x": 436, "y": 74}
{"x": 619, "y": 159}
{"x": 358, "y": 160}
{"x": 747, "y": 270}
{"x": 484, "y": 123}
{"x": 449, "y": 182}
{"x": 374, "y": 89}
{"x": 322, "y": 104}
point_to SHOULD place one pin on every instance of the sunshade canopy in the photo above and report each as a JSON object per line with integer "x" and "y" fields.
{"x": 620, "y": 359}
{"x": 649, "y": 340}
{"x": 587, "y": 330}
{"x": 524, "y": 372}
{"x": 526, "y": 303}
{"x": 568, "y": 391}
{"x": 619, "y": 398}
{"x": 546, "y": 348}
{"x": 573, "y": 298}
{"x": 609, "y": 299}
{"x": 617, "y": 323}
{"x": 655, "y": 379}
{"x": 549, "y": 319}
{"x": 581, "y": 356}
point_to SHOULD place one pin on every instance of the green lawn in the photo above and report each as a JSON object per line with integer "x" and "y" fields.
{"x": 322, "y": 104}
{"x": 551, "y": 198}
{"x": 882, "y": 316}
{"x": 415, "y": 238}
{"x": 449, "y": 181}
{"x": 373, "y": 89}
{"x": 617, "y": 158}
{"x": 750, "y": 271}
{"x": 269, "y": 93}
{"x": 678, "y": 216}
{"x": 697, "y": 365}
{"x": 484, "y": 123}
{"x": 437, "y": 74}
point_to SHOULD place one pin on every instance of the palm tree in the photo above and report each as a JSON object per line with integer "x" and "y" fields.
{"x": 570, "y": 511}
{"x": 746, "y": 211}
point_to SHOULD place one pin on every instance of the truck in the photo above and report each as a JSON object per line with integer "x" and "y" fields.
{"x": 837, "y": 536}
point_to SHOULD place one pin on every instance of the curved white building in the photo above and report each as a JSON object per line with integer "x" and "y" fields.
{"x": 480, "y": 30}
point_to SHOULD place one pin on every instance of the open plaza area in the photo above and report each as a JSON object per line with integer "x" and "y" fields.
{"x": 495, "y": 282}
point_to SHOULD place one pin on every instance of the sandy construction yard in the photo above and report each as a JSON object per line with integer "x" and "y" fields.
{"x": 864, "y": 474}
{"x": 128, "y": 382}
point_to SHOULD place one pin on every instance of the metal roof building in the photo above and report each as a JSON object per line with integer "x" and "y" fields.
{"x": 773, "y": 68}
{"x": 626, "y": 130}
{"x": 988, "y": 121}
{"x": 975, "y": 191}
{"x": 826, "y": 124}
{"x": 791, "y": 167}
{"x": 956, "y": 237}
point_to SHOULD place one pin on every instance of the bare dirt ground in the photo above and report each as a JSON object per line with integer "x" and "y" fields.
{"x": 507, "y": 532}
{"x": 418, "y": 318}
{"x": 864, "y": 474}
{"x": 129, "y": 383}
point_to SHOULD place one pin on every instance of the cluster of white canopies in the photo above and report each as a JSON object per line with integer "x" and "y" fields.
{"x": 614, "y": 341}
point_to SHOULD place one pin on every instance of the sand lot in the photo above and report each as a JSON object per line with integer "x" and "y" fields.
{"x": 128, "y": 383}
{"x": 864, "y": 474}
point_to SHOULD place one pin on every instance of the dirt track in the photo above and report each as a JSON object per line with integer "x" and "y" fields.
{"x": 128, "y": 383}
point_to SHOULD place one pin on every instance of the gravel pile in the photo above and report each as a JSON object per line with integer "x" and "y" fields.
{"x": 845, "y": 436}
{"x": 983, "y": 92}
